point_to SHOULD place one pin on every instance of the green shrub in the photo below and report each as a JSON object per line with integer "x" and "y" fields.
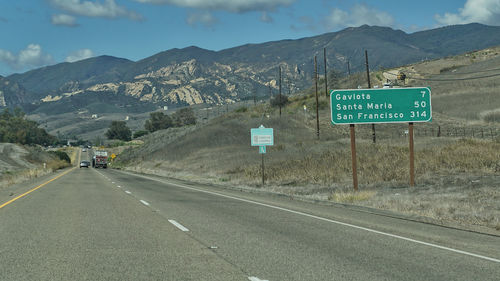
{"x": 139, "y": 134}
{"x": 61, "y": 155}
{"x": 119, "y": 130}
{"x": 241, "y": 109}
{"x": 492, "y": 117}
{"x": 277, "y": 101}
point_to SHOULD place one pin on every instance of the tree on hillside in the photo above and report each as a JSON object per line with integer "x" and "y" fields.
{"x": 183, "y": 117}
{"x": 158, "y": 121}
{"x": 15, "y": 128}
{"x": 277, "y": 101}
{"x": 119, "y": 130}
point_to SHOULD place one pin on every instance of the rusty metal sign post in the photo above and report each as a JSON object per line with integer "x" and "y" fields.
{"x": 412, "y": 156}
{"x": 353, "y": 156}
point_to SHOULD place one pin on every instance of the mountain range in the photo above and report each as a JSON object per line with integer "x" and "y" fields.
{"x": 194, "y": 75}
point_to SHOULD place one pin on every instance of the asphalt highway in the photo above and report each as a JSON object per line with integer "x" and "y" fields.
{"x": 103, "y": 224}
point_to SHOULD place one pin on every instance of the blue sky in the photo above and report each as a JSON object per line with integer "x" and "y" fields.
{"x": 35, "y": 33}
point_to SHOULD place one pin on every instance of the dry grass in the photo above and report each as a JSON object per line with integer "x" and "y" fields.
{"x": 462, "y": 198}
{"x": 34, "y": 158}
{"x": 351, "y": 196}
{"x": 382, "y": 163}
{"x": 19, "y": 176}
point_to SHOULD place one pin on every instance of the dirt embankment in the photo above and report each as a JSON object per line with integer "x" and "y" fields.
{"x": 20, "y": 163}
{"x": 13, "y": 157}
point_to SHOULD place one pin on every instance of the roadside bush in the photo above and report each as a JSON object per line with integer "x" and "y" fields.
{"x": 139, "y": 134}
{"x": 157, "y": 121}
{"x": 119, "y": 130}
{"x": 15, "y": 128}
{"x": 241, "y": 109}
{"x": 61, "y": 155}
{"x": 277, "y": 101}
{"x": 184, "y": 117}
{"x": 117, "y": 143}
{"x": 492, "y": 117}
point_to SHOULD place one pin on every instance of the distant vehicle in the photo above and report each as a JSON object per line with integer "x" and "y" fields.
{"x": 84, "y": 150}
{"x": 84, "y": 164}
{"x": 100, "y": 159}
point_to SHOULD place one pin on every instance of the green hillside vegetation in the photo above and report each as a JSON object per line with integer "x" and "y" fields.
{"x": 160, "y": 121}
{"x": 15, "y": 128}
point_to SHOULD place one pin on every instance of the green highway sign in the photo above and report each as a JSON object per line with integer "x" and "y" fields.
{"x": 392, "y": 105}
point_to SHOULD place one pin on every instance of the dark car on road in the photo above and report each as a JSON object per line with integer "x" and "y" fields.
{"x": 85, "y": 164}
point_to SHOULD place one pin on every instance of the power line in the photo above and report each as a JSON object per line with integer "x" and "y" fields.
{"x": 449, "y": 79}
{"x": 457, "y": 73}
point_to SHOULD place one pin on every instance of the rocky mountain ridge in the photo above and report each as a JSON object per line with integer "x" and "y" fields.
{"x": 193, "y": 75}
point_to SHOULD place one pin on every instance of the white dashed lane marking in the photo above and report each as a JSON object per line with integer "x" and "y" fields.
{"x": 178, "y": 225}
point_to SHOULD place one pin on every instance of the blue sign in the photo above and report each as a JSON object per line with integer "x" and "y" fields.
{"x": 261, "y": 136}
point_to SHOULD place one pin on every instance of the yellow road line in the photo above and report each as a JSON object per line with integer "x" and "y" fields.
{"x": 28, "y": 192}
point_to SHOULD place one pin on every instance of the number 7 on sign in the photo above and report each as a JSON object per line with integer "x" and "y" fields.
{"x": 423, "y": 93}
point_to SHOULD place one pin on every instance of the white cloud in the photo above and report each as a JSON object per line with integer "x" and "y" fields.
{"x": 79, "y": 55}
{"x": 104, "y": 9}
{"x": 63, "y": 19}
{"x": 358, "y": 15}
{"x": 31, "y": 56}
{"x": 480, "y": 11}
{"x": 234, "y": 6}
{"x": 265, "y": 17}
{"x": 204, "y": 18}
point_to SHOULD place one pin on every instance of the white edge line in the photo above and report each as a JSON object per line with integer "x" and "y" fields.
{"x": 178, "y": 225}
{"x": 253, "y": 278}
{"x": 333, "y": 221}
{"x": 144, "y": 202}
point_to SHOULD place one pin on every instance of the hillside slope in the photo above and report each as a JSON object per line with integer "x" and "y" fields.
{"x": 457, "y": 154}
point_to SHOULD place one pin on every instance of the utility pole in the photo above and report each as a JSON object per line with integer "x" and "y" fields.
{"x": 348, "y": 67}
{"x": 280, "y": 89}
{"x": 326, "y": 82}
{"x": 369, "y": 87}
{"x": 317, "y": 103}
{"x": 270, "y": 94}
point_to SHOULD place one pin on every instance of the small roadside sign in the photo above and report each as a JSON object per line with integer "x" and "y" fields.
{"x": 261, "y": 136}
{"x": 262, "y": 149}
